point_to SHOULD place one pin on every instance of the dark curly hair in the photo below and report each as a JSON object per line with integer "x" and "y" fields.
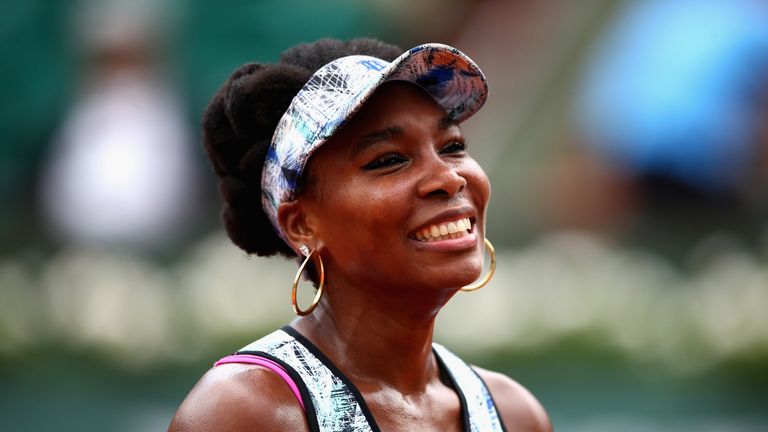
{"x": 239, "y": 122}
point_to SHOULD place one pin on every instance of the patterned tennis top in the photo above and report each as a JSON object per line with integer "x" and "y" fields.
{"x": 331, "y": 401}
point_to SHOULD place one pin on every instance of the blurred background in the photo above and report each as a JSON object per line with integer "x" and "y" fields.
{"x": 627, "y": 146}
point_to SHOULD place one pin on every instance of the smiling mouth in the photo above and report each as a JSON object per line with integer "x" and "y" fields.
{"x": 444, "y": 231}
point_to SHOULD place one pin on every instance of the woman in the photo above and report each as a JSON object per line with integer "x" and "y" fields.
{"x": 350, "y": 155}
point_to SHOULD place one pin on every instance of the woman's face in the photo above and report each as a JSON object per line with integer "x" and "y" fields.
{"x": 385, "y": 189}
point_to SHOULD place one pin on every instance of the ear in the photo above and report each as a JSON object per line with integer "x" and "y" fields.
{"x": 294, "y": 223}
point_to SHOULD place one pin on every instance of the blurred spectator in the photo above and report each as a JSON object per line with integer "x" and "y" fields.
{"x": 673, "y": 108}
{"x": 122, "y": 170}
{"x": 674, "y": 89}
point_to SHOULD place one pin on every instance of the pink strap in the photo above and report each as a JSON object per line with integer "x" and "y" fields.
{"x": 267, "y": 363}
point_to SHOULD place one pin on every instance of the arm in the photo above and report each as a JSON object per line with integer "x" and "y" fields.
{"x": 519, "y": 409}
{"x": 237, "y": 397}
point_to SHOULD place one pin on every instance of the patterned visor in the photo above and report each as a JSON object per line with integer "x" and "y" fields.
{"x": 337, "y": 90}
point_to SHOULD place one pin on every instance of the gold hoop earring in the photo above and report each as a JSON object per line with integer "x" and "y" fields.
{"x": 319, "y": 293}
{"x": 482, "y": 282}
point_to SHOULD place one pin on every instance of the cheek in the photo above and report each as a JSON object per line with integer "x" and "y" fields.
{"x": 380, "y": 206}
{"x": 478, "y": 181}
{"x": 361, "y": 210}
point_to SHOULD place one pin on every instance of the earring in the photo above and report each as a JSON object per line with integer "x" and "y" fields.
{"x": 319, "y": 293}
{"x": 482, "y": 282}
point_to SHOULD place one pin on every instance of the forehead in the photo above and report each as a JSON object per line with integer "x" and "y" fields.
{"x": 395, "y": 103}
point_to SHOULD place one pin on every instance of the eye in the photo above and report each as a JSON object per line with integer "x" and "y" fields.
{"x": 455, "y": 146}
{"x": 388, "y": 160}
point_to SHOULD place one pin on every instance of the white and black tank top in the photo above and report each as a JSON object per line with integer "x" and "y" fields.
{"x": 332, "y": 402}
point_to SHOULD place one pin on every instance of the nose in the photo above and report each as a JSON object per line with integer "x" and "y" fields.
{"x": 441, "y": 179}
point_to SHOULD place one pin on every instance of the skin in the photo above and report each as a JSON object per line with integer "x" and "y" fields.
{"x": 395, "y": 168}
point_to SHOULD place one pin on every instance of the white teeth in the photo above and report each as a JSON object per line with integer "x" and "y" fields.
{"x": 449, "y": 230}
{"x": 434, "y": 230}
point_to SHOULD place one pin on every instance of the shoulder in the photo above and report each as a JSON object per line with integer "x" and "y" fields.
{"x": 519, "y": 409}
{"x": 239, "y": 397}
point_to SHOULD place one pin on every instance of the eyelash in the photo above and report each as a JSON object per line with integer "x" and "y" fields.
{"x": 388, "y": 160}
{"x": 455, "y": 146}
{"x": 392, "y": 159}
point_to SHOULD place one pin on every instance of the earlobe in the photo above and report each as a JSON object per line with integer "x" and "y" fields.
{"x": 294, "y": 224}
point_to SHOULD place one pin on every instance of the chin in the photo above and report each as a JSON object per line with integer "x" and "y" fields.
{"x": 457, "y": 279}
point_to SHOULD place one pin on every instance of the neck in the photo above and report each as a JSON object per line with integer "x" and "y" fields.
{"x": 377, "y": 340}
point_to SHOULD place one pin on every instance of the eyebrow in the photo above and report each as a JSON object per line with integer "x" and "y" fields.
{"x": 379, "y": 135}
{"x": 390, "y": 132}
{"x": 446, "y": 122}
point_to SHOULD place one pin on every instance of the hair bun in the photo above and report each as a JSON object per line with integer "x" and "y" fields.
{"x": 236, "y": 194}
{"x": 256, "y": 100}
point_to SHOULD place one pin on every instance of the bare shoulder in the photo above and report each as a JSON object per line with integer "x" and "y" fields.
{"x": 239, "y": 397}
{"x": 520, "y": 410}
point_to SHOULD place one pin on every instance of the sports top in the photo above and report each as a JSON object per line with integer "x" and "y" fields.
{"x": 332, "y": 402}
